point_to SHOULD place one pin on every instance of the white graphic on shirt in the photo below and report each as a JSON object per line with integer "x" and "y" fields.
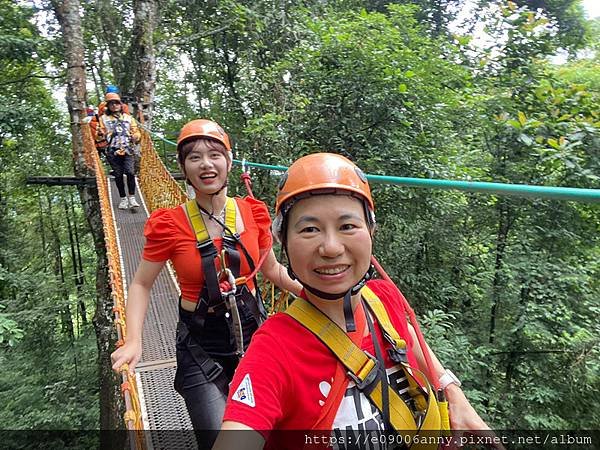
{"x": 357, "y": 415}
{"x": 325, "y": 388}
{"x": 244, "y": 393}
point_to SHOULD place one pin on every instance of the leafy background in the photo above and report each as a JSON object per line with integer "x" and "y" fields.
{"x": 506, "y": 289}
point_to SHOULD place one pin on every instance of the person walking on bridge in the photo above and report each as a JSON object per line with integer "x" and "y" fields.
{"x": 212, "y": 241}
{"x": 118, "y": 133}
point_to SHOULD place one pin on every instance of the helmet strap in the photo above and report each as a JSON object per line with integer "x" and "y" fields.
{"x": 347, "y": 302}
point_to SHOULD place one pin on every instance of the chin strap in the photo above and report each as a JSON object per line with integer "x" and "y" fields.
{"x": 187, "y": 180}
{"x": 347, "y": 302}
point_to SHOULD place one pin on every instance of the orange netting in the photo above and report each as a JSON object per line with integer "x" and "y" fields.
{"x": 158, "y": 186}
{"x": 133, "y": 414}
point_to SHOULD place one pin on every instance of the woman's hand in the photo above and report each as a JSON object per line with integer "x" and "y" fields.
{"x": 464, "y": 419}
{"x": 130, "y": 353}
{"x": 135, "y": 311}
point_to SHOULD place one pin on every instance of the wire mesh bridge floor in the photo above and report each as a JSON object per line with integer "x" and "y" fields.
{"x": 162, "y": 407}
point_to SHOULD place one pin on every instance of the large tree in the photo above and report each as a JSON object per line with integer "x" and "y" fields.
{"x": 128, "y": 45}
{"x": 68, "y": 16}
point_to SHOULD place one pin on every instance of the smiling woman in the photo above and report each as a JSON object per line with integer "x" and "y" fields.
{"x": 214, "y": 327}
{"x": 342, "y": 359}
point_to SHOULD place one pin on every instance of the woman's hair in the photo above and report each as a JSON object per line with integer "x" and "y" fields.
{"x": 200, "y": 144}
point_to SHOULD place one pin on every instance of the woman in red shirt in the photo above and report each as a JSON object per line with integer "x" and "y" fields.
{"x": 213, "y": 329}
{"x": 342, "y": 359}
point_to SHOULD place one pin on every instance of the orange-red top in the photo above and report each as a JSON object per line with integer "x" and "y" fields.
{"x": 170, "y": 236}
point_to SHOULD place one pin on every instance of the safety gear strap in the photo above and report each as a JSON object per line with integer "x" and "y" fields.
{"x": 211, "y": 294}
{"x": 208, "y": 252}
{"x": 385, "y": 391}
{"x": 364, "y": 370}
{"x": 230, "y": 239}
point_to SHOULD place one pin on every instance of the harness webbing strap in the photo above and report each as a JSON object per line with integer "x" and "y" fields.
{"x": 208, "y": 252}
{"x": 211, "y": 294}
{"x": 230, "y": 215}
{"x": 375, "y": 305}
{"x": 364, "y": 369}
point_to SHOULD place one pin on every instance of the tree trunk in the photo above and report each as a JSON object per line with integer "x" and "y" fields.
{"x": 68, "y": 16}
{"x": 77, "y": 275}
{"x": 42, "y": 227}
{"x": 144, "y": 59}
{"x": 116, "y": 39}
{"x": 59, "y": 273}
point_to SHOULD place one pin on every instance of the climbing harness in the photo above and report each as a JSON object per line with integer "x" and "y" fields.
{"x": 223, "y": 293}
{"x": 367, "y": 371}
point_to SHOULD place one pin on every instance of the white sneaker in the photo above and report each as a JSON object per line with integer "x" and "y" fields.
{"x": 133, "y": 203}
{"x": 124, "y": 203}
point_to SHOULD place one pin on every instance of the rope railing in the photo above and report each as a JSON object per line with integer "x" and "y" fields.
{"x": 519, "y": 190}
{"x": 133, "y": 414}
{"x": 160, "y": 189}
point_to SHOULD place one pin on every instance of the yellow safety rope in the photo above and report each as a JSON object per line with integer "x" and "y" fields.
{"x": 133, "y": 415}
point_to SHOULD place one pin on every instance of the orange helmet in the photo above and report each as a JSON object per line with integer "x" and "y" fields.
{"x": 112, "y": 96}
{"x": 322, "y": 171}
{"x": 203, "y": 128}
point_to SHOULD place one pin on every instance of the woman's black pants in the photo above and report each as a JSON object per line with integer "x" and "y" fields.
{"x": 122, "y": 165}
{"x": 203, "y": 382}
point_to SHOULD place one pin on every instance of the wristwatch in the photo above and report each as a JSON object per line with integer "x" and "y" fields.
{"x": 449, "y": 378}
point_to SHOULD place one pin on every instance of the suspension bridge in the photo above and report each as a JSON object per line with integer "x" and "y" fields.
{"x": 151, "y": 402}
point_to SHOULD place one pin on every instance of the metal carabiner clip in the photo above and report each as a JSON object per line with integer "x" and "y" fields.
{"x": 231, "y": 281}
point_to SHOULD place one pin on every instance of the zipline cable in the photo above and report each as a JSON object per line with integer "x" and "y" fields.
{"x": 519, "y": 190}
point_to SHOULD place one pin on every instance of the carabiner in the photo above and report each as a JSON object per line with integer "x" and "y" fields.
{"x": 231, "y": 281}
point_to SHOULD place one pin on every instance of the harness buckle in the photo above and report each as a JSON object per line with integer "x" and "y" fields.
{"x": 213, "y": 371}
{"x": 398, "y": 355}
{"x": 208, "y": 244}
{"x": 371, "y": 377}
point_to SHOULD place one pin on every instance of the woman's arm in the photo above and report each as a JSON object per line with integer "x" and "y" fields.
{"x": 277, "y": 274}
{"x": 135, "y": 131}
{"x": 138, "y": 297}
{"x": 239, "y": 436}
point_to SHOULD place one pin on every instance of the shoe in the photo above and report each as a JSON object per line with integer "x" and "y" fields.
{"x": 124, "y": 203}
{"x": 133, "y": 202}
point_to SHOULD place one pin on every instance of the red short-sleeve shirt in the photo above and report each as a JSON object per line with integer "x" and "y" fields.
{"x": 169, "y": 236}
{"x": 284, "y": 378}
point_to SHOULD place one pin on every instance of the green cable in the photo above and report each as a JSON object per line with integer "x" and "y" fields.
{"x": 520, "y": 190}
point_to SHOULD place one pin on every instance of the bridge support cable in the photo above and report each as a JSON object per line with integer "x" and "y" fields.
{"x": 518, "y": 190}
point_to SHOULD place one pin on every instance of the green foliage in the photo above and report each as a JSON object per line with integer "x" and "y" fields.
{"x": 46, "y": 382}
{"x": 10, "y": 333}
{"x": 506, "y": 289}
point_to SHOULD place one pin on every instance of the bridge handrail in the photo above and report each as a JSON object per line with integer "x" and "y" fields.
{"x": 133, "y": 415}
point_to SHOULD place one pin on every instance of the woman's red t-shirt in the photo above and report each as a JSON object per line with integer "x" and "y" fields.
{"x": 169, "y": 236}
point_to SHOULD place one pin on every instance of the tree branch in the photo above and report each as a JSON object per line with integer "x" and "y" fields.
{"x": 192, "y": 37}
{"x": 32, "y": 75}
